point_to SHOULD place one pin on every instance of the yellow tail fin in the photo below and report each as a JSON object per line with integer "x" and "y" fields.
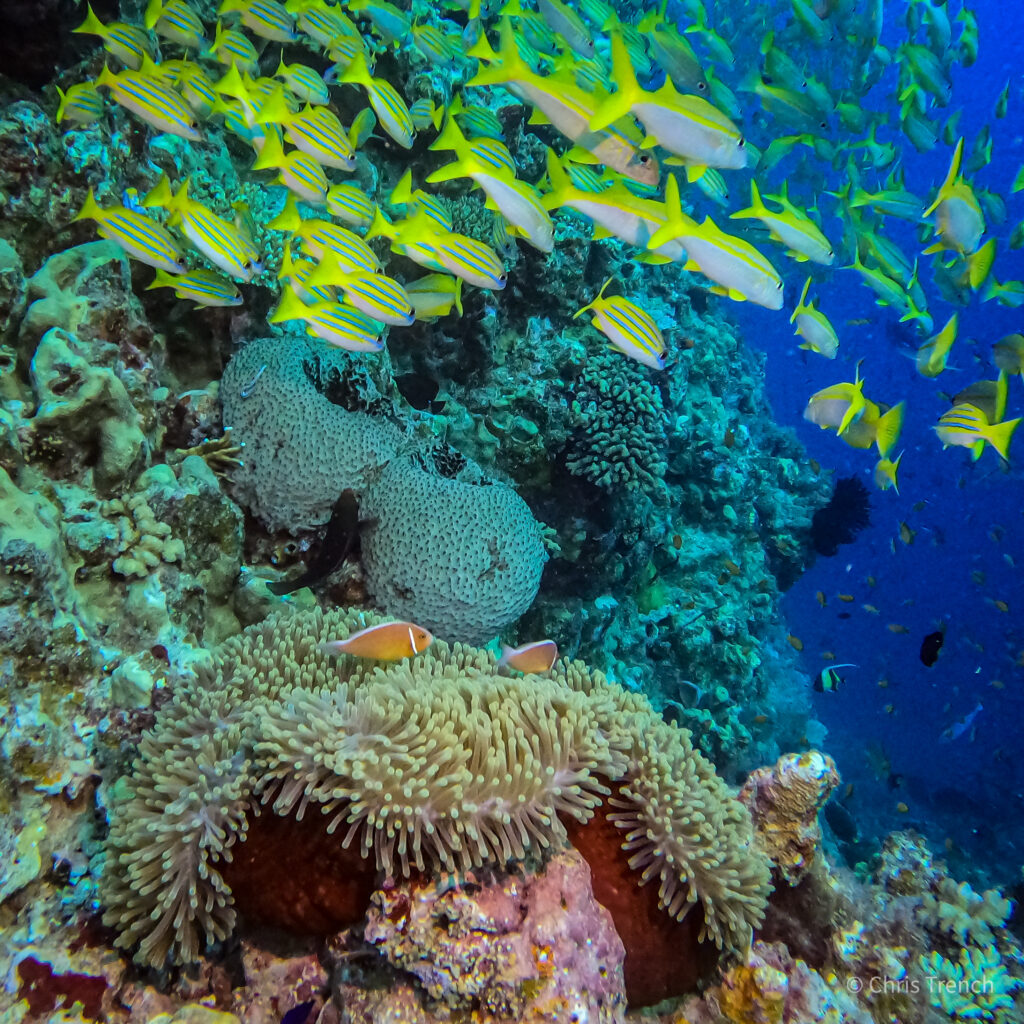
{"x": 998, "y": 435}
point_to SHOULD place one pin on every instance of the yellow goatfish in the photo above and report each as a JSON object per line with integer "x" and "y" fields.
{"x": 737, "y": 268}
{"x": 838, "y": 406}
{"x": 791, "y": 227}
{"x": 566, "y": 107}
{"x": 814, "y": 327}
{"x": 688, "y": 126}
{"x": 387, "y": 641}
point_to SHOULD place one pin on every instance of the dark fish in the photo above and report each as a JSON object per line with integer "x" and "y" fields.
{"x": 842, "y": 822}
{"x": 930, "y": 647}
{"x": 420, "y": 391}
{"x": 337, "y": 544}
{"x": 298, "y": 1014}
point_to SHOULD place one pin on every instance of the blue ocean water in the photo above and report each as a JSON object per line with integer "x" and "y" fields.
{"x": 967, "y": 517}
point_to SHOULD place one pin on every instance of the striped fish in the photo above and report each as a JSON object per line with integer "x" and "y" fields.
{"x": 351, "y": 205}
{"x": 475, "y": 262}
{"x": 175, "y": 21}
{"x": 362, "y": 127}
{"x": 435, "y": 296}
{"x": 267, "y": 18}
{"x": 417, "y": 202}
{"x": 128, "y": 43}
{"x": 476, "y": 121}
{"x": 81, "y": 104}
{"x": 321, "y": 236}
{"x": 140, "y": 237}
{"x": 389, "y": 107}
{"x": 295, "y": 273}
{"x": 230, "y": 46}
{"x": 149, "y": 99}
{"x": 341, "y": 53}
{"x": 219, "y": 240}
{"x": 628, "y": 328}
{"x": 391, "y": 24}
{"x": 425, "y": 113}
{"x": 320, "y": 24}
{"x": 315, "y": 131}
{"x": 203, "y": 287}
{"x": 376, "y": 295}
{"x": 304, "y": 82}
{"x": 299, "y": 172}
{"x": 332, "y": 322}
{"x": 435, "y": 45}
{"x": 197, "y": 90}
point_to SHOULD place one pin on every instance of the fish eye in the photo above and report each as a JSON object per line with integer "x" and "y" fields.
{"x": 741, "y": 143}
{"x": 702, "y": 87}
{"x": 644, "y": 159}
{"x": 778, "y": 287}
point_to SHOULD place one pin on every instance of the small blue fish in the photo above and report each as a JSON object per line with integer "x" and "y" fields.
{"x": 958, "y": 728}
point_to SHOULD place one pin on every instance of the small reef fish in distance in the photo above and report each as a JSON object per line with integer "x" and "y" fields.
{"x": 962, "y": 725}
{"x": 930, "y": 647}
{"x": 387, "y": 641}
{"x": 829, "y": 680}
{"x": 535, "y": 657}
{"x": 630, "y": 330}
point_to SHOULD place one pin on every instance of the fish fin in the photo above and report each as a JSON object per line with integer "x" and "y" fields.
{"x": 451, "y": 137}
{"x": 538, "y": 117}
{"x": 887, "y": 430}
{"x": 450, "y": 172}
{"x": 92, "y": 25}
{"x": 998, "y": 435}
{"x": 290, "y": 307}
{"x": 289, "y": 219}
{"x": 979, "y": 264}
{"x": 579, "y": 155}
{"x": 401, "y": 194}
{"x": 619, "y": 103}
{"x": 458, "y": 295}
{"x": 160, "y": 194}
{"x": 90, "y": 209}
{"x": 674, "y": 224}
{"x": 271, "y": 155}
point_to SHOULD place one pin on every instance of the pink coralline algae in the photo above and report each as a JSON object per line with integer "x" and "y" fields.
{"x": 784, "y": 801}
{"x": 535, "y": 948}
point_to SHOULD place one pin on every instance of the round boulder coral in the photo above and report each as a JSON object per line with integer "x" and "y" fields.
{"x": 448, "y": 548}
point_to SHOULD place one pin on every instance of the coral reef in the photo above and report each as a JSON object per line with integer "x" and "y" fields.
{"x": 784, "y": 802}
{"x": 536, "y": 948}
{"x": 483, "y": 765}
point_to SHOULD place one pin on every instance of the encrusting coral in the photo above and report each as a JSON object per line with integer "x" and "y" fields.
{"x": 433, "y": 763}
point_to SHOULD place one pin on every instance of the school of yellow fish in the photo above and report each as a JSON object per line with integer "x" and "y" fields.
{"x": 663, "y": 151}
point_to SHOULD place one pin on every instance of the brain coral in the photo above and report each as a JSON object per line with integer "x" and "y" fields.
{"x": 302, "y": 409}
{"x": 448, "y": 548}
{"x": 436, "y": 762}
{"x": 619, "y": 425}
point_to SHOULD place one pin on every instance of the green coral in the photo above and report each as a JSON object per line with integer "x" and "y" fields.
{"x": 964, "y": 913}
{"x": 618, "y": 421}
{"x": 976, "y": 987}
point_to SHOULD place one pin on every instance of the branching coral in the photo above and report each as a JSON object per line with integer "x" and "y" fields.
{"x": 977, "y": 987}
{"x": 438, "y": 762}
{"x": 619, "y": 425}
{"x": 964, "y": 913}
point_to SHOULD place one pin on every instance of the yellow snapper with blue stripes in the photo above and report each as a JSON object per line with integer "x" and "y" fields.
{"x": 175, "y": 21}
{"x": 475, "y": 262}
{"x": 319, "y": 23}
{"x": 267, "y": 18}
{"x": 492, "y": 153}
{"x": 315, "y": 131}
{"x": 299, "y": 172}
{"x": 230, "y": 46}
{"x": 416, "y": 201}
{"x": 435, "y": 296}
{"x": 142, "y": 238}
{"x": 519, "y": 203}
{"x": 144, "y": 94}
{"x": 437, "y": 46}
{"x": 190, "y": 80}
{"x": 333, "y": 322}
{"x": 203, "y": 287}
{"x": 736, "y": 267}
{"x": 389, "y": 107}
{"x": 630, "y": 330}
{"x": 295, "y": 273}
{"x": 350, "y": 204}
{"x": 304, "y": 82}
{"x": 82, "y": 104}
{"x": 319, "y": 237}
{"x": 475, "y": 120}
{"x": 424, "y": 113}
{"x": 217, "y": 239}
{"x": 128, "y": 43}
{"x": 376, "y": 295}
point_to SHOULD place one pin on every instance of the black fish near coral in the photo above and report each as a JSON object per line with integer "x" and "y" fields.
{"x": 847, "y": 513}
{"x": 338, "y": 544}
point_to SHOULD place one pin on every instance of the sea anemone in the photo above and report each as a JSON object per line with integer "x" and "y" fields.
{"x": 434, "y": 763}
